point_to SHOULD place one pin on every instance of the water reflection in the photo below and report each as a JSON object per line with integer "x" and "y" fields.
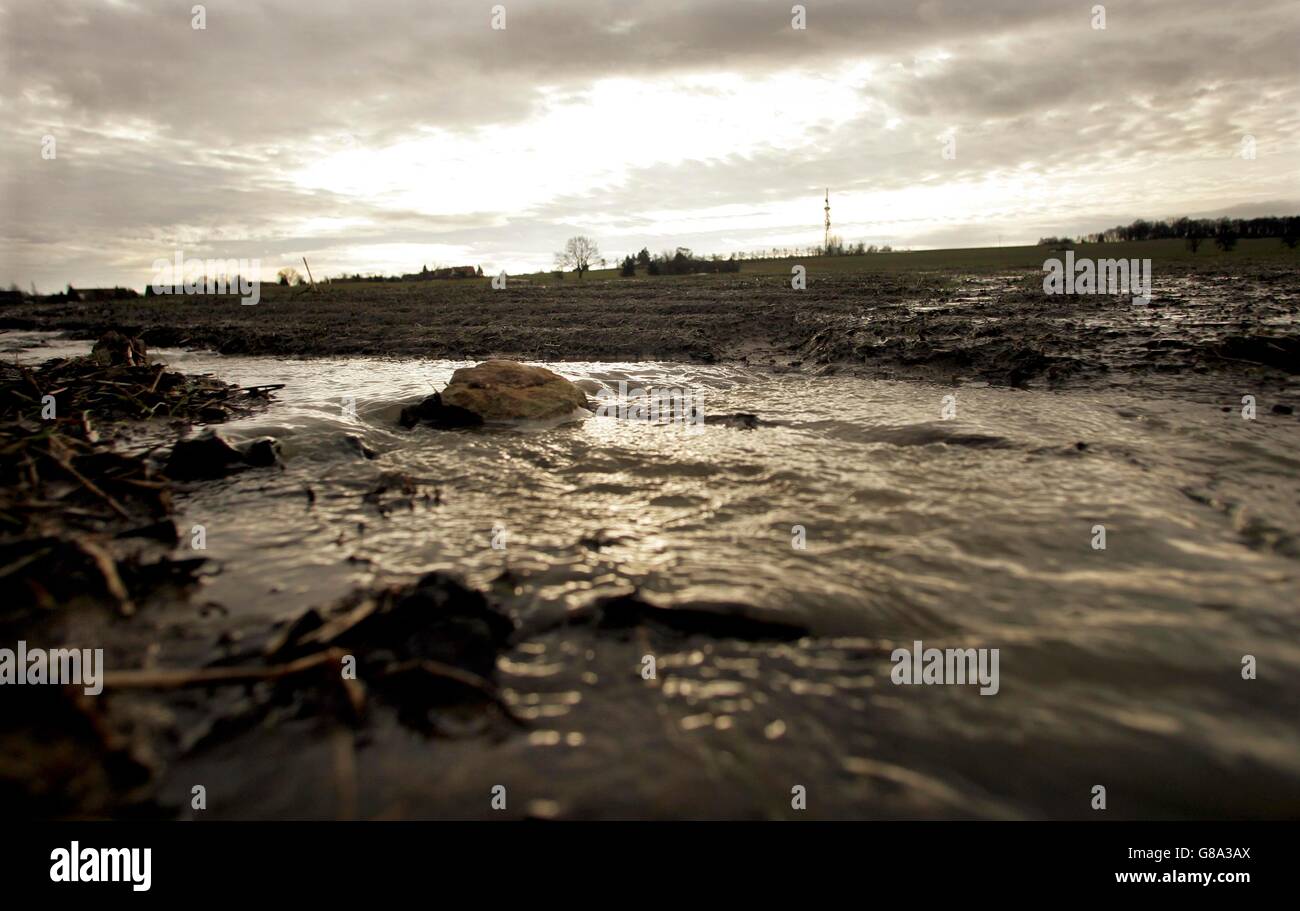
{"x": 1118, "y": 665}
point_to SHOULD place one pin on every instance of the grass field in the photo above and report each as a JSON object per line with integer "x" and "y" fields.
{"x": 978, "y": 313}
{"x": 989, "y": 259}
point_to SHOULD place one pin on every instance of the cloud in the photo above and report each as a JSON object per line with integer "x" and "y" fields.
{"x": 357, "y": 133}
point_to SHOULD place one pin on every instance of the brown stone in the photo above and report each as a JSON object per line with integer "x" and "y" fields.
{"x": 500, "y": 390}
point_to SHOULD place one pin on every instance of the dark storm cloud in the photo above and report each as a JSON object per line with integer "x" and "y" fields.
{"x": 262, "y": 71}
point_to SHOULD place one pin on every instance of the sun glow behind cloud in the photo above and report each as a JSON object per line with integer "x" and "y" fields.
{"x": 581, "y": 142}
{"x": 857, "y": 213}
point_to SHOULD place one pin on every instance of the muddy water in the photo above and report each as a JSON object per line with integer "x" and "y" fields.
{"x": 1119, "y": 667}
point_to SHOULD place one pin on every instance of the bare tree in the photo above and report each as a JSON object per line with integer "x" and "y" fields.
{"x": 1225, "y": 238}
{"x": 579, "y": 254}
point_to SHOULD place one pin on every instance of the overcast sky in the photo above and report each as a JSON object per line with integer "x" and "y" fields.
{"x": 379, "y": 136}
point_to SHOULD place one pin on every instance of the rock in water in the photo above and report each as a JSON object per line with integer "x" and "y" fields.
{"x": 211, "y": 455}
{"x": 741, "y": 420}
{"x": 208, "y": 455}
{"x": 433, "y": 411}
{"x": 356, "y": 444}
{"x": 263, "y": 452}
{"x": 115, "y": 349}
{"x": 498, "y": 390}
{"x": 507, "y": 390}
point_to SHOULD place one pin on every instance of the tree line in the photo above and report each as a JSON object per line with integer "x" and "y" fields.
{"x": 1225, "y": 232}
{"x": 679, "y": 261}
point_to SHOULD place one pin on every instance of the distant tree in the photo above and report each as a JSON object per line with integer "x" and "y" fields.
{"x": 1291, "y": 236}
{"x": 1193, "y": 242}
{"x": 643, "y": 258}
{"x": 1225, "y": 238}
{"x": 629, "y": 268}
{"x": 579, "y": 254}
{"x": 652, "y": 267}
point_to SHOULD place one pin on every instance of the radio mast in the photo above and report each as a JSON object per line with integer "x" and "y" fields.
{"x": 826, "y": 245}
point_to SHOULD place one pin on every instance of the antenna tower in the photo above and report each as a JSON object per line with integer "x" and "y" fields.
{"x": 826, "y": 245}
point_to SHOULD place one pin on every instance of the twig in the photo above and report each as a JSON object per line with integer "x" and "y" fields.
{"x": 108, "y": 575}
{"x": 24, "y": 561}
{"x": 211, "y": 676}
{"x": 89, "y": 485}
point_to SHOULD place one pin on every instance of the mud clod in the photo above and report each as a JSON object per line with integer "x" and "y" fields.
{"x": 210, "y": 455}
{"x": 726, "y": 620}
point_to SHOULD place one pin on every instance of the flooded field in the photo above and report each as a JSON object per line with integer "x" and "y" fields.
{"x": 863, "y": 514}
{"x": 943, "y": 325}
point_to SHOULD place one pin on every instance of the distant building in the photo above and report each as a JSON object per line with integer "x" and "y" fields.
{"x": 100, "y": 294}
{"x": 426, "y": 274}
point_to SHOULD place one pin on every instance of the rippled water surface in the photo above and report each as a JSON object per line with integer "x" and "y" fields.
{"x": 1119, "y": 667}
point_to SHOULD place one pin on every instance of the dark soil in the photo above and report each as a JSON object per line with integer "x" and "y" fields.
{"x": 86, "y": 538}
{"x": 1000, "y": 328}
